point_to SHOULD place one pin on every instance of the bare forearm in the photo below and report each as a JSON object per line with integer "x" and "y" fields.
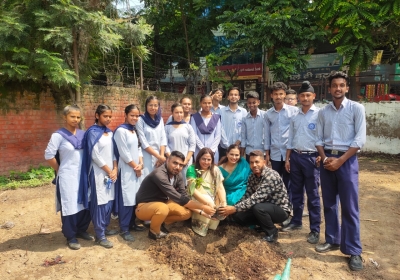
{"x": 53, "y": 164}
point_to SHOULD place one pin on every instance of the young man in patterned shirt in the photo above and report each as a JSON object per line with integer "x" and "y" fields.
{"x": 265, "y": 202}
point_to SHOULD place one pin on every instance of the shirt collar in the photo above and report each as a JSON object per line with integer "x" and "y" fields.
{"x": 258, "y": 113}
{"x": 312, "y": 108}
{"x": 285, "y": 106}
{"x": 227, "y": 108}
{"x": 343, "y": 104}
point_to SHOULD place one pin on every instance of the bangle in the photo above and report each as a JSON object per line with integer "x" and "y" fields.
{"x": 324, "y": 160}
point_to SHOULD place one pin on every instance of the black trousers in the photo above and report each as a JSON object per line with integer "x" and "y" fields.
{"x": 264, "y": 214}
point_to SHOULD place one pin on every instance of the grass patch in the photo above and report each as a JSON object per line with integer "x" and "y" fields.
{"x": 34, "y": 177}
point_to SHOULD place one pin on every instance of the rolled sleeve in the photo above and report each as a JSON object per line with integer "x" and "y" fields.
{"x": 53, "y": 146}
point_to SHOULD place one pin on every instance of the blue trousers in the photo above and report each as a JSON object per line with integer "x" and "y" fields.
{"x": 101, "y": 215}
{"x": 304, "y": 174}
{"x": 279, "y": 166}
{"x": 342, "y": 185}
{"x": 124, "y": 213}
{"x": 73, "y": 224}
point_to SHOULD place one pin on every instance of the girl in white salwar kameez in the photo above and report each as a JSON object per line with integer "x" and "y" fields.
{"x": 130, "y": 165}
{"x": 67, "y": 142}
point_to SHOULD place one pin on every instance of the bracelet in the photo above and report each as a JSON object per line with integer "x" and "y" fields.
{"x": 324, "y": 160}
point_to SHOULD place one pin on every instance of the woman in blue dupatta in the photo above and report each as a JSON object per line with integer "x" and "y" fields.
{"x": 207, "y": 127}
{"x": 236, "y": 171}
{"x": 130, "y": 165}
{"x": 98, "y": 175}
{"x": 150, "y": 128}
{"x": 64, "y": 154}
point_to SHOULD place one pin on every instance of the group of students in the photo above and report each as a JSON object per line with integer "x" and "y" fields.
{"x": 197, "y": 165}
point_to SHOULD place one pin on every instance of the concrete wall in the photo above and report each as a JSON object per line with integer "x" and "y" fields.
{"x": 383, "y": 127}
{"x": 28, "y": 119}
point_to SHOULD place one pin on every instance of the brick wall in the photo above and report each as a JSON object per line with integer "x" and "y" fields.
{"x": 28, "y": 120}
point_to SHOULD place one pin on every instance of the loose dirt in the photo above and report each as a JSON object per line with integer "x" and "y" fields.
{"x": 36, "y": 249}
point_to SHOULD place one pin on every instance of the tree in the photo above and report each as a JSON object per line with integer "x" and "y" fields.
{"x": 280, "y": 28}
{"x": 57, "y": 44}
{"x": 358, "y": 27}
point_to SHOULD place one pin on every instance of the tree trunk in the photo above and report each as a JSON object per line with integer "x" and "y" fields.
{"x": 141, "y": 73}
{"x": 76, "y": 63}
{"x": 185, "y": 30}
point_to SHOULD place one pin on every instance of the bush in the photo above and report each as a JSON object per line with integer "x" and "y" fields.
{"x": 34, "y": 177}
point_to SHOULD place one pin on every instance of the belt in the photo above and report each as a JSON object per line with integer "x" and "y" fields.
{"x": 334, "y": 152}
{"x": 305, "y": 152}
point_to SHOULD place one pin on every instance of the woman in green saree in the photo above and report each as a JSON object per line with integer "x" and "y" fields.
{"x": 205, "y": 185}
{"x": 235, "y": 170}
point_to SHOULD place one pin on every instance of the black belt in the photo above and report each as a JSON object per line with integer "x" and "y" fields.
{"x": 334, "y": 152}
{"x": 305, "y": 152}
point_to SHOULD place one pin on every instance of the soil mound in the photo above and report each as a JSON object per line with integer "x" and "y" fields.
{"x": 230, "y": 252}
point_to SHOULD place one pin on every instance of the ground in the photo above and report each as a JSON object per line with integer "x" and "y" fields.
{"x": 227, "y": 253}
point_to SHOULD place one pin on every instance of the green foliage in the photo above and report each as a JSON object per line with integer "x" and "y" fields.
{"x": 195, "y": 183}
{"x": 359, "y": 27}
{"x": 60, "y": 44}
{"x": 282, "y": 28}
{"x": 32, "y": 178}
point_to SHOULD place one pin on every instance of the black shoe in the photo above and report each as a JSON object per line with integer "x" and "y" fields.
{"x": 164, "y": 229}
{"x": 271, "y": 238}
{"x": 355, "y": 263}
{"x": 85, "y": 236}
{"x": 286, "y": 222}
{"x": 157, "y": 236}
{"x": 136, "y": 227}
{"x": 326, "y": 247}
{"x": 109, "y": 232}
{"x": 291, "y": 227}
{"x": 313, "y": 237}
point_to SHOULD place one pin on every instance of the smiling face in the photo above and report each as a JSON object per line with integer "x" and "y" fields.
{"x": 72, "y": 119}
{"x": 132, "y": 117}
{"x": 205, "y": 161}
{"x": 307, "y": 98}
{"x": 233, "y": 155}
{"x": 186, "y": 105}
{"x": 177, "y": 114}
{"x": 278, "y": 96}
{"x": 233, "y": 96}
{"x": 338, "y": 88}
{"x": 206, "y": 104}
{"x": 104, "y": 119}
{"x": 257, "y": 164}
{"x": 152, "y": 107}
{"x": 252, "y": 104}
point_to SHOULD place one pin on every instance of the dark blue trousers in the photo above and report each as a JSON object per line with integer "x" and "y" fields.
{"x": 279, "y": 166}
{"x": 342, "y": 185}
{"x": 73, "y": 224}
{"x": 124, "y": 213}
{"x": 304, "y": 174}
{"x": 101, "y": 215}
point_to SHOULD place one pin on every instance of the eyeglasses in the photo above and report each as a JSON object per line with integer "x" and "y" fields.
{"x": 290, "y": 99}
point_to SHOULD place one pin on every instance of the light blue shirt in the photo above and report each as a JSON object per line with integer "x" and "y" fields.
{"x": 218, "y": 111}
{"x": 343, "y": 128}
{"x": 303, "y": 130}
{"x": 276, "y": 131}
{"x": 231, "y": 125}
{"x": 253, "y": 132}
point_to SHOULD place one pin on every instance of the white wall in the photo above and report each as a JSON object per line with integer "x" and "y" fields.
{"x": 383, "y": 127}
